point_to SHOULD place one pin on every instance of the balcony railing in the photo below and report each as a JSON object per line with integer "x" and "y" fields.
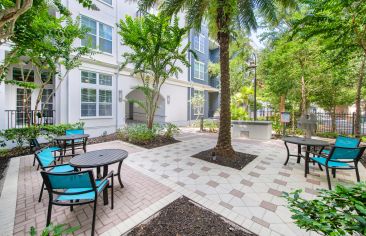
{"x": 20, "y": 118}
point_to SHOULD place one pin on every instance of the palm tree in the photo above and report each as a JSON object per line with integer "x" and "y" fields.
{"x": 223, "y": 16}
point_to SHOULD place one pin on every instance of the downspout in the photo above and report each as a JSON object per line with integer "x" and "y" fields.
{"x": 117, "y": 73}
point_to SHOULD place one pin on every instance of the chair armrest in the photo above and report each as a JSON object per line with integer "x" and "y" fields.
{"x": 317, "y": 154}
{"x": 110, "y": 174}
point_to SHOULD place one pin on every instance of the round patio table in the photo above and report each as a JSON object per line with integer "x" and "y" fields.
{"x": 308, "y": 143}
{"x": 65, "y": 138}
{"x": 101, "y": 158}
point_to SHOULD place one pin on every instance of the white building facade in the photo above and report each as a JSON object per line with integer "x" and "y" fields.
{"x": 97, "y": 91}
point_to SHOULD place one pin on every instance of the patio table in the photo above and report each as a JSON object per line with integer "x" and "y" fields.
{"x": 66, "y": 138}
{"x": 101, "y": 158}
{"x": 300, "y": 141}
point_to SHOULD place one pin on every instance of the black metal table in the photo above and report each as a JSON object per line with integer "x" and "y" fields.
{"x": 65, "y": 138}
{"x": 101, "y": 158}
{"x": 300, "y": 141}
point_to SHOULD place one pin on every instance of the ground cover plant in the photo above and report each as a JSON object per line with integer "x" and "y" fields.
{"x": 341, "y": 211}
{"x": 141, "y": 135}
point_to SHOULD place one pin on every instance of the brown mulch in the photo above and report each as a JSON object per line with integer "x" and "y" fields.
{"x": 238, "y": 161}
{"x": 103, "y": 138}
{"x": 159, "y": 141}
{"x": 183, "y": 217}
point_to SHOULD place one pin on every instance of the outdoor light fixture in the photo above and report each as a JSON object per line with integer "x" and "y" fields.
{"x": 120, "y": 95}
{"x": 253, "y": 65}
{"x": 168, "y": 99}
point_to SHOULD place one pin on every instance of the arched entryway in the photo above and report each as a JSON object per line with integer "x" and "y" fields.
{"x": 134, "y": 113}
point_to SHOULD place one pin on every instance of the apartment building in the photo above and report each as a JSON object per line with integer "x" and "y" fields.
{"x": 97, "y": 91}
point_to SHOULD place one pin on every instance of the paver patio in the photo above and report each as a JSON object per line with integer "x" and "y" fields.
{"x": 154, "y": 178}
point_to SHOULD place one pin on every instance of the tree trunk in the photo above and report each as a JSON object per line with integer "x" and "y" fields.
{"x": 333, "y": 117}
{"x": 223, "y": 146}
{"x": 282, "y": 107}
{"x": 358, "y": 98}
{"x": 303, "y": 97}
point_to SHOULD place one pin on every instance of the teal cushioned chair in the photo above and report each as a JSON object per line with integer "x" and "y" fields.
{"x": 343, "y": 141}
{"x": 344, "y": 158}
{"x": 47, "y": 162}
{"x": 77, "y": 142}
{"x": 34, "y": 146}
{"x": 75, "y": 188}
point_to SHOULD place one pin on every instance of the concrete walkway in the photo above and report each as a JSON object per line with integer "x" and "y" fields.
{"x": 154, "y": 178}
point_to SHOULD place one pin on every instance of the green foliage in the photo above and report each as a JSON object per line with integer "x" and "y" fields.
{"x": 335, "y": 212}
{"x": 22, "y": 135}
{"x": 238, "y": 113}
{"x": 139, "y": 134}
{"x": 209, "y": 125}
{"x": 170, "y": 130}
{"x": 54, "y": 230}
{"x": 240, "y": 103}
{"x": 328, "y": 134}
{"x": 156, "y": 43}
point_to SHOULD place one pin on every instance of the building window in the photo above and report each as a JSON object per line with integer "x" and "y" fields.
{"x": 47, "y": 99}
{"x": 109, "y": 2}
{"x": 199, "y": 70}
{"x": 105, "y": 79}
{"x": 88, "y": 102}
{"x": 96, "y": 94}
{"x": 105, "y": 103}
{"x": 99, "y": 34}
{"x": 198, "y": 110}
{"x": 199, "y": 42}
{"x": 24, "y": 75}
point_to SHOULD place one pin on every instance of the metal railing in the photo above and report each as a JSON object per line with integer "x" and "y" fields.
{"x": 21, "y": 119}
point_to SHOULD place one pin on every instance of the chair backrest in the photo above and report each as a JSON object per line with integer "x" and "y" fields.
{"x": 83, "y": 180}
{"x": 346, "y": 153}
{"x": 44, "y": 157}
{"x": 343, "y": 141}
{"x": 74, "y": 131}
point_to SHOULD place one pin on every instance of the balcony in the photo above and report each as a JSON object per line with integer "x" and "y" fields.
{"x": 21, "y": 118}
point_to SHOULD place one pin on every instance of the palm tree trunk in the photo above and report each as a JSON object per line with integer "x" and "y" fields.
{"x": 358, "y": 98}
{"x": 223, "y": 146}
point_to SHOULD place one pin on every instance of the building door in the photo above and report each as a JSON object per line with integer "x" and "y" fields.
{"x": 47, "y": 106}
{"x": 130, "y": 110}
{"x": 23, "y": 111}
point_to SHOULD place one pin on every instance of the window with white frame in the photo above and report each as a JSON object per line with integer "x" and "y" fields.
{"x": 199, "y": 109}
{"x": 109, "y": 2}
{"x": 199, "y": 42}
{"x": 99, "y": 35}
{"x": 199, "y": 70}
{"x": 96, "y": 94}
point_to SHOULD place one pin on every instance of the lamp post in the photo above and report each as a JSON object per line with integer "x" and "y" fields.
{"x": 253, "y": 65}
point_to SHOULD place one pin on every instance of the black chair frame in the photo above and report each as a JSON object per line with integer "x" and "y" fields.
{"x": 52, "y": 192}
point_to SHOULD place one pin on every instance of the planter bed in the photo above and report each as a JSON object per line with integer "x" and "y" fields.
{"x": 159, "y": 141}
{"x": 184, "y": 217}
{"x": 238, "y": 161}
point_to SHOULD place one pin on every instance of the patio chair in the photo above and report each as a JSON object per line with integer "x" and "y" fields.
{"x": 35, "y": 146}
{"x": 47, "y": 162}
{"x": 75, "y": 188}
{"x": 78, "y": 143}
{"x": 340, "y": 158}
{"x": 343, "y": 141}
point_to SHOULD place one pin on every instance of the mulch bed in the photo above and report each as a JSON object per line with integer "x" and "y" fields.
{"x": 159, "y": 141}
{"x": 183, "y": 217}
{"x": 238, "y": 161}
{"x": 104, "y": 138}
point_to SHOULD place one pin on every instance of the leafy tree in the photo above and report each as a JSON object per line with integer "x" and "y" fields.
{"x": 156, "y": 46}
{"x": 43, "y": 42}
{"x": 342, "y": 24}
{"x": 11, "y": 10}
{"x": 223, "y": 16}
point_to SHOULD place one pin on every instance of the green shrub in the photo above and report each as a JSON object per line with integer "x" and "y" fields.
{"x": 51, "y": 230}
{"x": 328, "y": 134}
{"x": 21, "y": 135}
{"x": 341, "y": 211}
{"x": 139, "y": 134}
{"x": 4, "y": 152}
{"x": 208, "y": 124}
{"x": 170, "y": 130}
